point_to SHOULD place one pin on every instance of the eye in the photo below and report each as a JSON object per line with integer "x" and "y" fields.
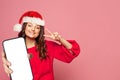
{"x": 37, "y": 27}
{"x": 29, "y": 25}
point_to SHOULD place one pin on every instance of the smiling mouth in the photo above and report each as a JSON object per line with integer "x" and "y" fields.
{"x": 31, "y": 32}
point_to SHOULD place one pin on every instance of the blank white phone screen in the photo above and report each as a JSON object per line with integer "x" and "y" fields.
{"x": 16, "y": 53}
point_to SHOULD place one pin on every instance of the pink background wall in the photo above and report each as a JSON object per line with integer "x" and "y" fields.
{"x": 94, "y": 24}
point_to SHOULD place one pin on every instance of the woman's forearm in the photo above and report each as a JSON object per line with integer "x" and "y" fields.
{"x": 65, "y": 43}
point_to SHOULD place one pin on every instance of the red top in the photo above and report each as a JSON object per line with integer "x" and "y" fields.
{"x": 43, "y": 70}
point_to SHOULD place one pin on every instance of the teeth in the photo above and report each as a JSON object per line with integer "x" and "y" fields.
{"x": 32, "y": 33}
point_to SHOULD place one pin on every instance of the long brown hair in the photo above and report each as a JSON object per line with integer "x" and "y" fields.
{"x": 40, "y": 41}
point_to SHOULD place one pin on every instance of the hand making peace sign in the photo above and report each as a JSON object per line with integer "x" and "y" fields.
{"x": 55, "y": 36}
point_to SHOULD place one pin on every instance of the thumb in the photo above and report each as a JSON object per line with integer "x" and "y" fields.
{"x": 29, "y": 56}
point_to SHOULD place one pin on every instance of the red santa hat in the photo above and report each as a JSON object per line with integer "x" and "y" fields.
{"x": 30, "y": 16}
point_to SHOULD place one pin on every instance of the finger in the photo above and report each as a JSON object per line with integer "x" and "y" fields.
{"x": 48, "y": 31}
{"x": 7, "y": 69}
{"x": 50, "y": 36}
{"x": 55, "y": 34}
{"x": 47, "y": 36}
{"x": 5, "y": 61}
{"x": 29, "y": 56}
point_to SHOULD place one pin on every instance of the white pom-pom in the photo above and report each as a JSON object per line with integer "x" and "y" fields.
{"x": 17, "y": 27}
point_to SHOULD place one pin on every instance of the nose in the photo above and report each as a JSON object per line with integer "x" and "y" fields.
{"x": 33, "y": 28}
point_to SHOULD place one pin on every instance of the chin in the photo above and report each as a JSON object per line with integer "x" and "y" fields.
{"x": 31, "y": 37}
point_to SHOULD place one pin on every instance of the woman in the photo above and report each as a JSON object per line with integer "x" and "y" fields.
{"x": 42, "y": 52}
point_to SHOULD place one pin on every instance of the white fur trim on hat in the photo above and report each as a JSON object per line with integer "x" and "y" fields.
{"x": 34, "y": 20}
{"x": 17, "y": 27}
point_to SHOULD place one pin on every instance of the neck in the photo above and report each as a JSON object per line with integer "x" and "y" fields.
{"x": 30, "y": 42}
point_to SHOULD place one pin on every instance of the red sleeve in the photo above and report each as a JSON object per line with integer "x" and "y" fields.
{"x": 61, "y": 53}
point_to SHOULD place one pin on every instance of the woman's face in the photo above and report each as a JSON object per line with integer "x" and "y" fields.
{"x": 32, "y": 30}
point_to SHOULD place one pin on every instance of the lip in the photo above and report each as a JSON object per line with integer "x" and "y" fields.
{"x": 31, "y": 32}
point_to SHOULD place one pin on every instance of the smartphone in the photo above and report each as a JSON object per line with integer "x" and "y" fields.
{"x": 16, "y": 53}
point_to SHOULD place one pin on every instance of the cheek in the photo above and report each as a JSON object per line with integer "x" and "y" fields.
{"x": 38, "y": 32}
{"x": 26, "y": 29}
